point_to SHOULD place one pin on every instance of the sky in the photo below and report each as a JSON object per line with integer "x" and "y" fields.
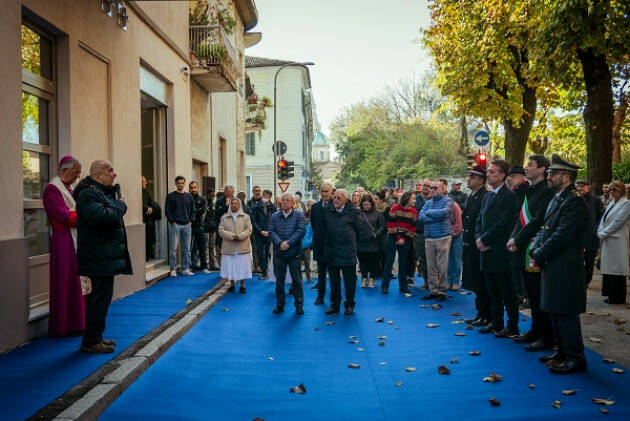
{"x": 358, "y": 46}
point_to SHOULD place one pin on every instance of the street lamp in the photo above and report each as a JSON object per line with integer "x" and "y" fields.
{"x": 275, "y": 109}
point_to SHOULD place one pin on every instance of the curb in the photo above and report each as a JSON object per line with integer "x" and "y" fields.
{"x": 101, "y": 388}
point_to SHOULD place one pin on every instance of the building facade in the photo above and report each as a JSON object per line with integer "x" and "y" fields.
{"x": 294, "y": 124}
{"x": 116, "y": 80}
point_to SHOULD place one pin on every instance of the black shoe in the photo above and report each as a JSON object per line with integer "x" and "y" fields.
{"x": 278, "y": 309}
{"x": 428, "y": 296}
{"x": 349, "y": 311}
{"x": 569, "y": 367}
{"x": 441, "y": 297}
{"x": 525, "y": 338}
{"x": 473, "y": 320}
{"x": 506, "y": 333}
{"x": 314, "y": 287}
{"x": 299, "y": 311}
{"x": 480, "y": 322}
{"x": 490, "y": 328}
{"x": 231, "y": 288}
{"x": 384, "y": 291}
{"x": 242, "y": 290}
{"x": 319, "y": 301}
{"x": 332, "y": 310}
{"x": 556, "y": 356}
{"x": 539, "y": 345}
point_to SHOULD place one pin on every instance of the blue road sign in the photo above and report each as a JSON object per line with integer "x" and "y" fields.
{"x": 481, "y": 138}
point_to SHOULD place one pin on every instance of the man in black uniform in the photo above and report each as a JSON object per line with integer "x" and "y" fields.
{"x": 559, "y": 251}
{"x": 531, "y": 217}
{"x": 595, "y": 213}
{"x": 198, "y": 251}
{"x": 494, "y": 225}
{"x": 472, "y": 277}
{"x": 319, "y": 239}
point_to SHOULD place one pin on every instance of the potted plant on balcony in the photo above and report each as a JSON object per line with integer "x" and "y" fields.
{"x": 266, "y": 102}
{"x": 217, "y": 52}
{"x": 226, "y": 21}
{"x": 252, "y": 99}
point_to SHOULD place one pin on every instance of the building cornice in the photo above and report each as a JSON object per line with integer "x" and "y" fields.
{"x": 248, "y": 13}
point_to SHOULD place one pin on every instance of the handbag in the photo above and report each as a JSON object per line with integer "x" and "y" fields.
{"x": 369, "y": 225}
{"x": 86, "y": 285}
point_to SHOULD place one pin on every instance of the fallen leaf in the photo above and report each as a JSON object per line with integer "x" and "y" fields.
{"x": 493, "y": 378}
{"x": 620, "y": 321}
{"x": 450, "y": 296}
{"x": 444, "y": 370}
{"x": 258, "y": 419}
{"x": 330, "y": 323}
{"x": 225, "y": 309}
{"x": 360, "y": 349}
{"x": 379, "y": 320}
{"x": 594, "y": 339}
{"x": 354, "y": 365}
{"x": 474, "y": 353}
{"x": 454, "y": 360}
{"x": 433, "y": 325}
{"x": 352, "y": 337}
{"x": 299, "y": 389}
{"x": 317, "y": 328}
{"x": 599, "y": 401}
{"x": 188, "y": 301}
{"x": 271, "y": 358}
{"x": 494, "y": 401}
{"x": 423, "y": 306}
{"x": 353, "y": 342}
{"x": 556, "y": 404}
{"x": 523, "y": 319}
{"x": 408, "y": 294}
{"x": 436, "y": 306}
{"x": 464, "y": 292}
{"x": 621, "y": 329}
{"x": 456, "y": 314}
{"x": 410, "y": 369}
{"x": 604, "y": 410}
{"x": 532, "y": 386}
{"x": 398, "y": 384}
{"x": 460, "y": 333}
{"x": 618, "y": 370}
{"x": 391, "y": 322}
{"x": 457, "y": 322}
{"x": 382, "y": 337}
{"x": 608, "y": 360}
{"x": 469, "y": 327}
{"x": 569, "y": 392}
{"x": 381, "y": 343}
{"x": 399, "y": 329}
{"x": 383, "y": 363}
{"x": 590, "y": 312}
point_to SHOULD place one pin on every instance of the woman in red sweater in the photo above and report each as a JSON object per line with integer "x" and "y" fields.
{"x": 401, "y": 228}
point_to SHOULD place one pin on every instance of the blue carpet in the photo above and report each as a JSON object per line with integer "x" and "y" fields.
{"x": 40, "y": 371}
{"x": 221, "y": 369}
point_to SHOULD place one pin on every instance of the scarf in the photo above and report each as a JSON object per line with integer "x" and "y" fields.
{"x": 66, "y": 193}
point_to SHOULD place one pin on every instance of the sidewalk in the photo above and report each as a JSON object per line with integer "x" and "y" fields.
{"x": 39, "y": 371}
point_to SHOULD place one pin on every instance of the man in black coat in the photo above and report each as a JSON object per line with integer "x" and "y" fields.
{"x": 198, "y": 249}
{"x": 101, "y": 248}
{"x": 319, "y": 239}
{"x": 342, "y": 227}
{"x": 595, "y": 212}
{"x": 472, "y": 277}
{"x": 494, "y": 225}
{"x": 220, "y": 209}
{"x": 151, "y": 212}
{"x": 531, "y": 217}
{"x": 559, "y": 251}
{"x": 210, "y": 228}
{"x": 261, "y": 215}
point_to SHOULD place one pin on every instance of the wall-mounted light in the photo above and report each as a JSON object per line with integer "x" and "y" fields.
{"x": 123, "y": 18}
{"x": 107, "y": 6}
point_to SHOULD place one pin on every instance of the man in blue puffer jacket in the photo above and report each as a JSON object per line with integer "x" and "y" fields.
{"x": 436, "y": 217}
{"x": 286, "y": 230}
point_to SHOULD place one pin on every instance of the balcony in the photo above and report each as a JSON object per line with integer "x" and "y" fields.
{"x": 215, "y": 64}
{"x": 256, "y": 113}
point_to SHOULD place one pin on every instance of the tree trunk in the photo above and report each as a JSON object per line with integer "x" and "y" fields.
{"x": 516, "y": 137}
{"x": 618, "y": 120}
{"x": 598, "y": 118}
{"x": 463, "y": 140}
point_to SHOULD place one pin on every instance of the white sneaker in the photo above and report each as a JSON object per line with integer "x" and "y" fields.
{"x": 205, "y": 271}
{"x": 174, "y": 273}
{"x": 187, "y": 272}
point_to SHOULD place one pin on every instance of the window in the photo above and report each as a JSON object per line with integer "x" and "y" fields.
{"x": 321, "y": 155}
{"x": 250, "y": 144}
{"x": 38, "y": 95}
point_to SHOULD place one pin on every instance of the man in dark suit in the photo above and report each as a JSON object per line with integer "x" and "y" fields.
{"x": 319, "y": 239}
{"x": 559, "y": 251}
{"x": 531, "y": 217}
{"x": 472, "y": 277}
{"x": 595, "y": 212}
{"x": 494, "y": 225}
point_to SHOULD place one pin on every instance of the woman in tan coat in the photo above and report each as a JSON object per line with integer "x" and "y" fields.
{"x": 235, "y": 229}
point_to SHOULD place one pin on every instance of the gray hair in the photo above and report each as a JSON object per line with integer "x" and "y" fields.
{"x": 228, "y": 187}
{"x": 326, "y": 184}
{"x": 289, "y": 195}
{"x": 69, "y": 164}
{"x": 98, "y": 166}
{"x": 342, "y": 191}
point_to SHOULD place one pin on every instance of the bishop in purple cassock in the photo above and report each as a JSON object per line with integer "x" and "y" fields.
{"x": 67, "y": 303}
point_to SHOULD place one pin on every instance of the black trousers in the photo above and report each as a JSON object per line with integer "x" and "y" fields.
{"x": 97, "y": 305}
{"x": 589, "y": 264}
{"x": 502, "y": 293}
{"x": 614, "y": 287}
{"x": 198, "y": 250}
{"x": 569, "y": 332}
{"x": 322, "y": 267}
{"x": 421, "y": 254}
{"x": 368, "y": 264}
{"x": 280, "y": 265}
{"x": 262, "y": 246}
{"x": 403, "y": 253}
{"x": 412, "y": 261}
{"x": 349, "y": 274}
{"x": 149, "y": 239}
{"x": 541, "y": 320}
{"x": 482, "y": 304}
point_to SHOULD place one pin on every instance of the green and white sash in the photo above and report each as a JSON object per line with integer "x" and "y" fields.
{"x": 525, "y": 218}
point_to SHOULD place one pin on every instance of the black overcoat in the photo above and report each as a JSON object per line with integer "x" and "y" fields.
{"x": 319, "y": 229}
{"x": 472, "y": 277}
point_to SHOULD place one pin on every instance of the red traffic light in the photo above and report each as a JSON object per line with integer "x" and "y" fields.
{"x": 282, "y": 163}
{"x": 482, "y": 157}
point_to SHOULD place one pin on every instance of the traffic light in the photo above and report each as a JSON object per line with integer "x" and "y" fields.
{"x": 290, "y": 169}
{"x": 283, "y": 170}
{"x": 481, "y": 159}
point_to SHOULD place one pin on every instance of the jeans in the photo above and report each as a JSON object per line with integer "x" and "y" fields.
{"x": 280, "y": 265}
{"x": 262, "y": 245}
{"x": 349, "y": 274}
{"x": 199, "y": 247}
{"x": 455, "y": 260}
{"x": 97, "y": 305}
{"x": 306, "y": 258}
{"x": 212, "y": 258}
{"x": 176, "y": 231}
{"x": 437, "y": 264}
{"x": 391, "y": 249}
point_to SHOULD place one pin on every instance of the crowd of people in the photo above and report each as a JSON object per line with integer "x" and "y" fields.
{"x": 523, "y": 236}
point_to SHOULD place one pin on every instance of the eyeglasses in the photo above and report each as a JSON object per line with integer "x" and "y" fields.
{"x": 434, "y": 188}
{"x": 427, "y": 185}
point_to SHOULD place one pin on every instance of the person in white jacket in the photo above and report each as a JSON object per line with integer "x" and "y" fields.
{"x": 613, "y": 231}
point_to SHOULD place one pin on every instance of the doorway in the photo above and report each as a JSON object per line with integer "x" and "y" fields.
{"x": 153, "y": 134}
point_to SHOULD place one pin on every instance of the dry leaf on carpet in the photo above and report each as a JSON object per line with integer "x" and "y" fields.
{"x": 444, "y": 370}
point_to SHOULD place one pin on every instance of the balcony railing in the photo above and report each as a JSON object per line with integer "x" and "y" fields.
{"x": 212, "y": 53}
